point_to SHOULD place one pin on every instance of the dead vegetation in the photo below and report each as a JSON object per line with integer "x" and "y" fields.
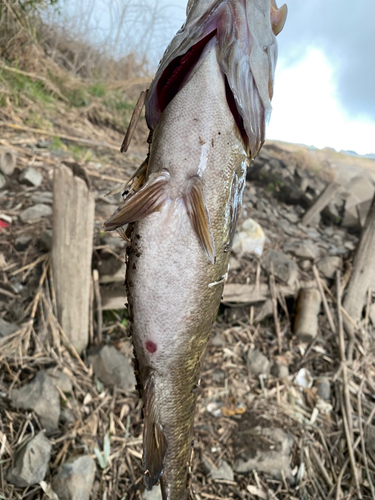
{"x": 267, "y": 397}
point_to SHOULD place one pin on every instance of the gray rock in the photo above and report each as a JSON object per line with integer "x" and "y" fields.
{"x": 223, "y": 471}
{"x": 113, "y": 368}
{"x": 43, "y": 197}
{"x": 31, "y": 462}
{"x": 279, "y": 370}
{"x": 31, "y": 177}
{"x": 60, "y": 380}
{"x": 269, "y": 453}
{"x": 263, "y": 311}
{"x": 329, "y": 265}
{"x": 284, "y": 268}
{"x": 153, "y": 494}
{"x": 305, "y": 249}
{"x": 7, "y": 328}
{"x": 22, "y": 241}
{"x": 3, "y": 180}
{"x": 218, "y": 375}
{"x": 258, "y": 363}
{"x": 46, "y": 240}
{"x": 41, "y": 396}
{"x": 104, "y": 210}
{"x": 324, "y": 388}
{"x": 217, "y": 340}
{"x": 35, "y": 213}
{"x": 74, "y": 480}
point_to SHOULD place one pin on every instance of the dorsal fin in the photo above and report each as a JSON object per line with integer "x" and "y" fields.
{"x": 154, "y": 440}
{"x": 142, "y": 203}
{"x": 198, "y": 214}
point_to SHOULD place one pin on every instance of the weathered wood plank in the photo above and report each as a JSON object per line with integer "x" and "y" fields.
{"x": 72, "y": 243}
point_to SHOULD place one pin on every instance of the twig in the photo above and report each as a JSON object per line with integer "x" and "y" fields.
{"x": 346, "y": 409}
{"x": 47, "y": 82}
{"x": 363, "y": 440}
{"x": 274, "y": 307}
{"x": 95, "y": 279}
{"x": 325, "y": 303}
{"x": 321, "y": 467}
{"x": 133, "y": 121}
{"x": 88, "y": 142}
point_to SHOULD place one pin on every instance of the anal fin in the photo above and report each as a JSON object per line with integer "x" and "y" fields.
{"x": 154, "y": 440}
{"x": 198, "y": 214}
{"x": 137, "y": 206}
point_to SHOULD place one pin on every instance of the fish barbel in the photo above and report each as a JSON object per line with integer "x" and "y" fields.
{"x": 207, "y": 108}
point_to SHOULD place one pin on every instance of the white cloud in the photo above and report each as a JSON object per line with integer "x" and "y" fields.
{"x": 306, "y": 108}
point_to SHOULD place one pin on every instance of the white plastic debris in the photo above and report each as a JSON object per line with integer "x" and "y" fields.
{"x": 249, "y": 239}
{"x": 304, "y": 379}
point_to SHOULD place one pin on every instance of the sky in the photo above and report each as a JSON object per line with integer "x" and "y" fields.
{"x": 325, "y": 78}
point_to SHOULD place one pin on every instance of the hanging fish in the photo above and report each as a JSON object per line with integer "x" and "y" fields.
{"x": 206, "y": 109}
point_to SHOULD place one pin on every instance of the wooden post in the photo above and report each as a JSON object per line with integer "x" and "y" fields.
{"x": 72, "y": 242}
{"x": 363, "y": 275}
{"x": 7, "y": 161}
{"x": 306, "y": 322}
{"x": 321, "y": 202}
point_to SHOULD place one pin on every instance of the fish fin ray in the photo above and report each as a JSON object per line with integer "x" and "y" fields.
{"x": 139, "y": 205}
{"x": 200, "y": 220}
{"x": 154, "y": 440}
{"x": 138, "y": 179}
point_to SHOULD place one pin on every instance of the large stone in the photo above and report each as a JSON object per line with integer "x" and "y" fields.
{"x": 329, "y": 265}
{"x": 35, "y": 213}
{"x": 153, "y": 494}
{"x": 258, "y": 363}
{"x": 372, "y": 313}
{"x": 7, "y": 328}
{"x": 264, "y": 450}
{"x": 360, "y": 189}
{"x": 113, "y": 368}
{"x": 304, "y": 249}
{"x": 60, "y": 380}
{"x": 43, "y": 197}
{"x": 74, "y": 480}
{"x": 41, "y": 396}
{"x": 31, "y": 462}
{"x": 284, "y": 268}
{"x": 249, "y": 239}
{"x": 223, "y": 471}
{"x": 31, "y": 177}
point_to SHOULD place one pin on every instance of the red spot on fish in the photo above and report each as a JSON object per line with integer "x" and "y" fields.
{"x": 151, "y": 346}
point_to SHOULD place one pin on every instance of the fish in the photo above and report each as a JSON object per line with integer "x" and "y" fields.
{"x": 206, "y": 109}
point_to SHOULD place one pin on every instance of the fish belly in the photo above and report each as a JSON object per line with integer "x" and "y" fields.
{"x": 174, "y": 291}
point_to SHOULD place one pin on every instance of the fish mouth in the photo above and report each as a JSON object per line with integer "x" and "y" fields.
{"x": 177, "y": 73}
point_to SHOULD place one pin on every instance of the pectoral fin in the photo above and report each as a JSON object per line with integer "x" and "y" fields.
{"x": 154, "y": 440}
{"x": 142, "y": 203}
{"x": 198, "y": 214}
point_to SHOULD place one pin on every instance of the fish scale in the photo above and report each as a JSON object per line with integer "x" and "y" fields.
{"x": 184, "y": 215}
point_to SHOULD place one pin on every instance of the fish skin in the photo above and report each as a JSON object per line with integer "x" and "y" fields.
{"x": 175, "y": 288}
{"x": 168, "y": 274}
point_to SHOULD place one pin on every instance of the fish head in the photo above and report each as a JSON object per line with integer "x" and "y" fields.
{"x": 245, "y": 36}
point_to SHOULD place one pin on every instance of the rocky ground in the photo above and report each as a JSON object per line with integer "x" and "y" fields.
{"x": 280, "y": 414}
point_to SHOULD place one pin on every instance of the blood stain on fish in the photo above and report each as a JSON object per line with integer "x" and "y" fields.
{"x": 151, "y": 347}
